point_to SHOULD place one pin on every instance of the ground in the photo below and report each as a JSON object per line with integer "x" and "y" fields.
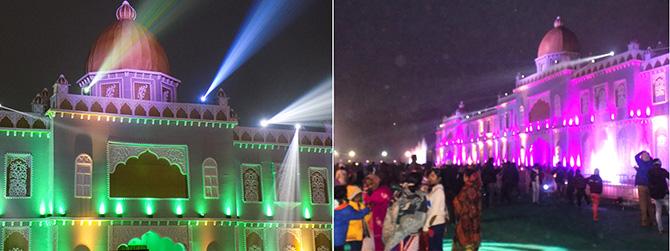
{"x": 558, "y": 226}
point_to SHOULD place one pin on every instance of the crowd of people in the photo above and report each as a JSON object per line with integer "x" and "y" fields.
{"x": 407, "y": 207}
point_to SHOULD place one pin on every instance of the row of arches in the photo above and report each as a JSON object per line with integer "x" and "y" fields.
{"x": 269, "y": 138}
{"x": 140, "y": 110}
{"x": 22, "y": 123}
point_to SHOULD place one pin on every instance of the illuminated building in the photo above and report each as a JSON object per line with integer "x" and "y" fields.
{"x": 122, "y": 165}
{"x": 586, "y": 113}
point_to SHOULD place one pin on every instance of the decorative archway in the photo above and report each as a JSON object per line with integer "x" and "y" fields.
{"x": 153, "y": 241}
{"x": 540, "y": 111}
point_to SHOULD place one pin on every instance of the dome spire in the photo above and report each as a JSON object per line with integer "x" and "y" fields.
{"x": 557, "y": 22}
{"x": 125, "y": 12}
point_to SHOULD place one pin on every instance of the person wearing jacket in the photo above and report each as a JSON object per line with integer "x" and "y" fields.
{"x": 343, "y": 214}
{"x": 357, "y": 228}
{"x": 658, "y": 190}
{"x": 536, "y": 183}
{"x": 436, "y": 216}
{"x": 596, "y": 188}
{"x": 580, "y": 186}
{"x": 378, "y": 197}
{"x": 644, "y": 162}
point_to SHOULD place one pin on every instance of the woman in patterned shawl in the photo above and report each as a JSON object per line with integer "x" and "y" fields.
{"x": 467, "y": 205}
{"x": 405, "y": 217}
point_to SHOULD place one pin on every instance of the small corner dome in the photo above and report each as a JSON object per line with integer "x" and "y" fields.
{"x": 558, "y": 39}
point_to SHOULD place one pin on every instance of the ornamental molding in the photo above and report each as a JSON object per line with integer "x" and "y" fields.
{"x": 120, "y": 152}
{"x": 123, "y": 234}
{"x": 7, "y": 231}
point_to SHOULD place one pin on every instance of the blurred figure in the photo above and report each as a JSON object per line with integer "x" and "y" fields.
{"x": 415, "y": 167}
{"x": 559, "y": 178}
{"x": 451, "y": 186}
{"x": 378, "y": 197}
{"x": 580, "y": 186}
{"x": 570, "y": 188}
{"x": 536, "y": 183}
{"x": 468, "y": 208}
{"x": 658, "y": 190}
{"x": 595, "y": 188}
{"x": 510, "y": 182}
{"x": 405, "y": 217}
{"x": 341, "y": 176}
{"x": 489, "y": 181}
{"x": 436, "y": 216}
{"x": 342, "y": 215}
{"x": 644, "y": 163}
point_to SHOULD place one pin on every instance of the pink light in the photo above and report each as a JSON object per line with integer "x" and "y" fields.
{"x": 647, "y": 111}
{"x": 579, "y": 161}
{"x": 631, "y": 113}
{"x": 538, "y": 127}
{"x": 546, "y": 125}
{"x": 638, "y": 113}
{"x": 564, "y": 162}
{"x": 531, "y": 128}
{"x": 570, "y": 122}
{"x": 612, "y": 116}
{"x": 563, "y": 122}
{"x": 576, "y": 120}
{"x": 572, "y": 161}
{"x": 593, "y": 118}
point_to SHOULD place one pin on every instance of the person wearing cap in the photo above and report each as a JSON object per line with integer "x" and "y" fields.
{"x": 343, "y": 215}
{"x": 644, "y": 162}
{"x": 358, "y": 229}
{"x": 658, "y": 190}
{"x": 378, "y": 197}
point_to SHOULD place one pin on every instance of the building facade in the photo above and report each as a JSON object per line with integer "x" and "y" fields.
{"x": 120, "y": 165}
{"x": 583, "y": 112}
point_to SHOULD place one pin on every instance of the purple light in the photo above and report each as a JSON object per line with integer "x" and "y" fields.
{"x": 564, "y": 162}
{"x": 631, "y": 113}
{"x": 647, "y": 111}
{"x": 576, "y": 120}
{"x": 572, "y": 161}
{"x": 546, "y": 125}
{"x": 593, "y": 118}
{"x": 612, "y": 116}
{"x": 579, "y": 161}
{"x": 563, "y": 122}
{"x": 638, "y": 113}
{"x": 570, "y": 122}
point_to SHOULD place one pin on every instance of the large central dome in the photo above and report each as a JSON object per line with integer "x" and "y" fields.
{"x": 127, "y": 45}
{"x": 558, "y": 39}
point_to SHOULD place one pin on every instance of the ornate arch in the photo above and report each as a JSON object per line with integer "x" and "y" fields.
{"x": 168, "y": 113}
{"x": 83, "y": 176}
{"x": 318, "y": 184}
{"x": 18, "y": 180}
{"x": 208, "y": 115}
{"x": 195, "y": 114}
{"x": 22, "y": 123}
{"x": 253, "y": 240}
{"x": 125, "y": 109}
{"x": 539, "y": 112}
{"x": 153, "y": 112}
{"x": 251, "y": 183}
{"x": 210, "y": 177}
{"x": 96, "y": 107}
{"x": 111, "y": 108}
{"x": 139, "y": 111}
{"x": 6, "y": 122}
{"x": 81, "y": 106}
{"x": 16, "y": 238}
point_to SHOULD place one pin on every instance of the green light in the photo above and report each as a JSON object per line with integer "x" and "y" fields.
{"x": 43, "y": 209}
{"x": 179, "y": 210}
{"x": 119, "y": 209}
{"x": 150, "y": 210}
{"x": 101, "y": 209}
{"x": 61, "y": 210}
{"x": 308, "y": 215}
{"x": 268, "y": 211}
{"x": 228, "y": 211}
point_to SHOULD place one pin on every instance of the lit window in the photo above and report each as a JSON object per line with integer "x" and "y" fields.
{"x": 82, "y": 178}
{"x": 19, "y": 169}
{"x": 211, "y": 178}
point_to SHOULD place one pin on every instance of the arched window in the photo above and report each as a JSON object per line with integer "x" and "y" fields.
{"x": 82, "y": 177}
{"x": 211, "y": 178}
{"x": 18, "y": 180}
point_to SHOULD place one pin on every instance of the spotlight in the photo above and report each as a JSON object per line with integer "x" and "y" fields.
{"x": 203, "y": 98}
{"x": 297, "y": 126}
{"x": 385, "y": 153}
{"x": 264, "y": 123}
{"x": 611, "y": 53}
{"x": 352, "y": 154}
{"x": 546, "y": 187}
{"x": 87, "y": 90}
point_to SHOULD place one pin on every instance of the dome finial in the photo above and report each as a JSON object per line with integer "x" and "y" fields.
{"x": 125, "y": 12}
{"x": 557, "y": 22}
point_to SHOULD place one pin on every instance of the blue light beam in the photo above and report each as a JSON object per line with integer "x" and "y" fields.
{"x": 266, "y": 19}
{"x": 314, "y": 108}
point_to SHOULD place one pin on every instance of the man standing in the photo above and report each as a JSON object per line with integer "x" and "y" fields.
{"x": 535, "y": 180}
{"x": 644, "y": 162}
{"x": 658, "y": 190}
{"x": 559, "y": 178}
{"x": 580, "y": 185}
{"x": 596, "y": 188}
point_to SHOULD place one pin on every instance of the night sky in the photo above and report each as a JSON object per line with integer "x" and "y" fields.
{"x": 41, "y": 39}
{"x": 411, "y": 62}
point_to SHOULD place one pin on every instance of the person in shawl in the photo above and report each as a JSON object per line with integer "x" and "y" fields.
{"x": 378, "y": 196}
{"x": 467, "y": 205}
{"x": 405, "y": 217}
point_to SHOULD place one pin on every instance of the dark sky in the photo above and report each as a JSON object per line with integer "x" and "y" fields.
{"x": 41, "y": 39}
{"x": 411, "y": 62}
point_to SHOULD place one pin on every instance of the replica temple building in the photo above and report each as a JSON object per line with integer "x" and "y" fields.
{"x": 580, "y": 112}
{"x": 119, "y": 164}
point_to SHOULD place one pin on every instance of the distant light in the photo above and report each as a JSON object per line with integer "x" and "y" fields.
{"x": 87, "y": 90}
{"x": 611, "y": 53}
{"x": 297, "y": 126}
{"x": 639, "y": 113}
{"x": 593, "y": 60}
{"x": 408, "y": 154}
{"x": 646, "y": 111}
{"x": 612, "y": 116}
{"x": 367, "y": 161}
{"x": 631, "y": 113}
{"x": 546, "y": 187}
{"x": 335, "y": 153}
{"x": 395, "y": 161}
{"x": 592, "y": 118}
{"x": 352, "y": 154}
{"x": 385, "y": 153}
{"x": 576, "y": 120}
{"x": 203, "y": 98}
{"x": 264, "y": 123}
